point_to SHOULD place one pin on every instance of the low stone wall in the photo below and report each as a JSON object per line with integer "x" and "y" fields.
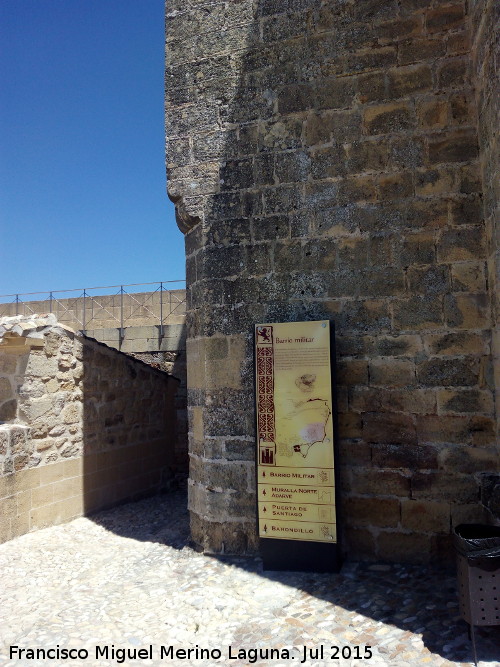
{"x": 142, "y": 337}
{"x": 84, "y": 426}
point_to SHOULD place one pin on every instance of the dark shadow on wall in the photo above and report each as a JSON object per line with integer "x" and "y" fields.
{"x": 129, "y": 428}
{"x": 169, "y": 356}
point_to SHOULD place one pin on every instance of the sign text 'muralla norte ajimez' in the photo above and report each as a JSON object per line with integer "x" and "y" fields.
{"x": 295, "y": 467}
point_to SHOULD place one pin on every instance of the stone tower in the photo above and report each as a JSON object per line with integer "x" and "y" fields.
{"x": 339, "y": 159}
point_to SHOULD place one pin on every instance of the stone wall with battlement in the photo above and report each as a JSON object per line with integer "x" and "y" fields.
{"x": 82, "y": 426}
{"x": 330, "y": 159}
{"x": 142, "y": 336}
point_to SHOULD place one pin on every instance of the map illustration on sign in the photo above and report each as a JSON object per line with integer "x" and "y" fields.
{"x": 295, "y": 431}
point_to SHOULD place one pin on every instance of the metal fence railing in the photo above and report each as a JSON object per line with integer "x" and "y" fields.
{"x": 115, "y": 305}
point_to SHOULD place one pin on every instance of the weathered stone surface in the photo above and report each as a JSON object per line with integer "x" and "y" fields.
{"x": 83, "y": 409}
{"x": 348, "y": 151}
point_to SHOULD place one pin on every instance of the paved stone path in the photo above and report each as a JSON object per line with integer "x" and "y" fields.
{"x": 128, "y": 580}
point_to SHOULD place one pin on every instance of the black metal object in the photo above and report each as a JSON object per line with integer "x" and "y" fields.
{"x": 296, "y": 556}
{"x": 478, "y": 569}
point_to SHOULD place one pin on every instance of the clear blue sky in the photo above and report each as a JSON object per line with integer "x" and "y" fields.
{"x": 82, "y": 167}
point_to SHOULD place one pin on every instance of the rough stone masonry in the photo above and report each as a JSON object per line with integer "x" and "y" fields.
{"x": 82, "y": 426}
{"x": 339, "y": 159}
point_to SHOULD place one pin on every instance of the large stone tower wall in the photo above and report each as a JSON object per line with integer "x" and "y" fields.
{"x": 325, "y": 163}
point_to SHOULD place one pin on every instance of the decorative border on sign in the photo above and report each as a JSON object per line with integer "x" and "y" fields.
{"x": 266, "y": 425}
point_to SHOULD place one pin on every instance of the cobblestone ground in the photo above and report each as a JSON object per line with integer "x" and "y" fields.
{"x": 127, "y": 580}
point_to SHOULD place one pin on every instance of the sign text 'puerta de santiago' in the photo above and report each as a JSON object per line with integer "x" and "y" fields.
{"x": 295, "y": 467}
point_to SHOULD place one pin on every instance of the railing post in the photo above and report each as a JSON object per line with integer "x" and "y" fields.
{"x": 50, "y": 302}
{"x": 17, "y": 304}
{"x": 161, "y": 310}
{"x": 84, "y": 313}
{"x": 121, "y": 315}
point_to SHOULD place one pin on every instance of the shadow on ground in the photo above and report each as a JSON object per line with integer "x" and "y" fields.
{"x": 418, "y": 599}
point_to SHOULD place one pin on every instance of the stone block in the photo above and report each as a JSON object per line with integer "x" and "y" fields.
{"x": 427, "y": 213}
{"x": 360, "y": 543}
{"x": 51, "y": 473}
{"x": 273, "y": 226}
{"x": 6, "y": 392}
{"x": 375, "y": 58}
{"x": 390, "y": 428}
{"x": 405, "y": 81}
{"x": 468, "y": 460}
{"x": 444, "y": 486}
{"x": 462, "y": 108}
{"x": 195, "y": 352}
{"x": 406, "y": 153}
{"x": 258, "y": 259}
{"x": 67, "y": 488}
{"x": 7, "y": 508}
{"x": 404, "y": 547}
{"x": 457, "y": 343}
{"x": 388, "y": 118}
{"x": 392, "y": 372}
{"x": 429, "y": 279}
{"x": 372, "y": 87}
{"x": 472, "y": 513}
{"x": 368, "y": 315}
{"x": 443, "y": 429}
{"x": 448, "y": 372}
{"x": 8, "y": 410}
{"x": 20, "y": 524}
{"x": 445, "y": 17}
{"x": 5, "y": 530}
{"x": 395, "y": 186}
{"x": 352, "y": 372}
{"x": 462, "y": 401}
{"x": 418, "y": 313}
{"x": 467, "y": 311}
{"x": 216, "y": 348}
{"x": 355, "y": 452}
{"x": 379, "y": 483}
{"x": 436, "y": 181}
{"x": 73, "y": 468}
{"x": 379, "y": 512}
{"x": 8, "y": 363}
{"x": 369, "y": 155}
{"x": 335, "y": 93}
{"x": 425, "y": 516}
{"x": 404, "y": 26}
{"x": 418, "y": 248}
{"x": 453, "y": 73}
{"x": 468, "y": 277}
{"x": 43, "y": 495}
{"x": 39, "y": 365}
{"x": 350, "y": 425}
{"x": 459, "y": 146}
{"x": 410, "y": 400}
{"x": 404, "y": 456}
{"x": 417, "y": 50}
{"x": 483, "y": 430}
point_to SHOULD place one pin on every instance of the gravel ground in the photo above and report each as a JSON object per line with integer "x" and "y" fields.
{"x": 125, "y": 587}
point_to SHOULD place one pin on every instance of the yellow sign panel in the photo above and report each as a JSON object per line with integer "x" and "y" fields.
{"x": 295, "y": 470}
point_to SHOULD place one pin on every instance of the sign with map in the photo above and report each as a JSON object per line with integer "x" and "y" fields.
{"x": 295, "y": 465}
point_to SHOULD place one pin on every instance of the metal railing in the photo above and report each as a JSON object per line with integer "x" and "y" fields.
{"x": 86, "y": 309}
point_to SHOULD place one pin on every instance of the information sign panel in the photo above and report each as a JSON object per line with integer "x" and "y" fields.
{"x": 295, "y": 431}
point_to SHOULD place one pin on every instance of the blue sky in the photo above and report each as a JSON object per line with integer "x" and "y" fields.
{"x": 82, "y": 169}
